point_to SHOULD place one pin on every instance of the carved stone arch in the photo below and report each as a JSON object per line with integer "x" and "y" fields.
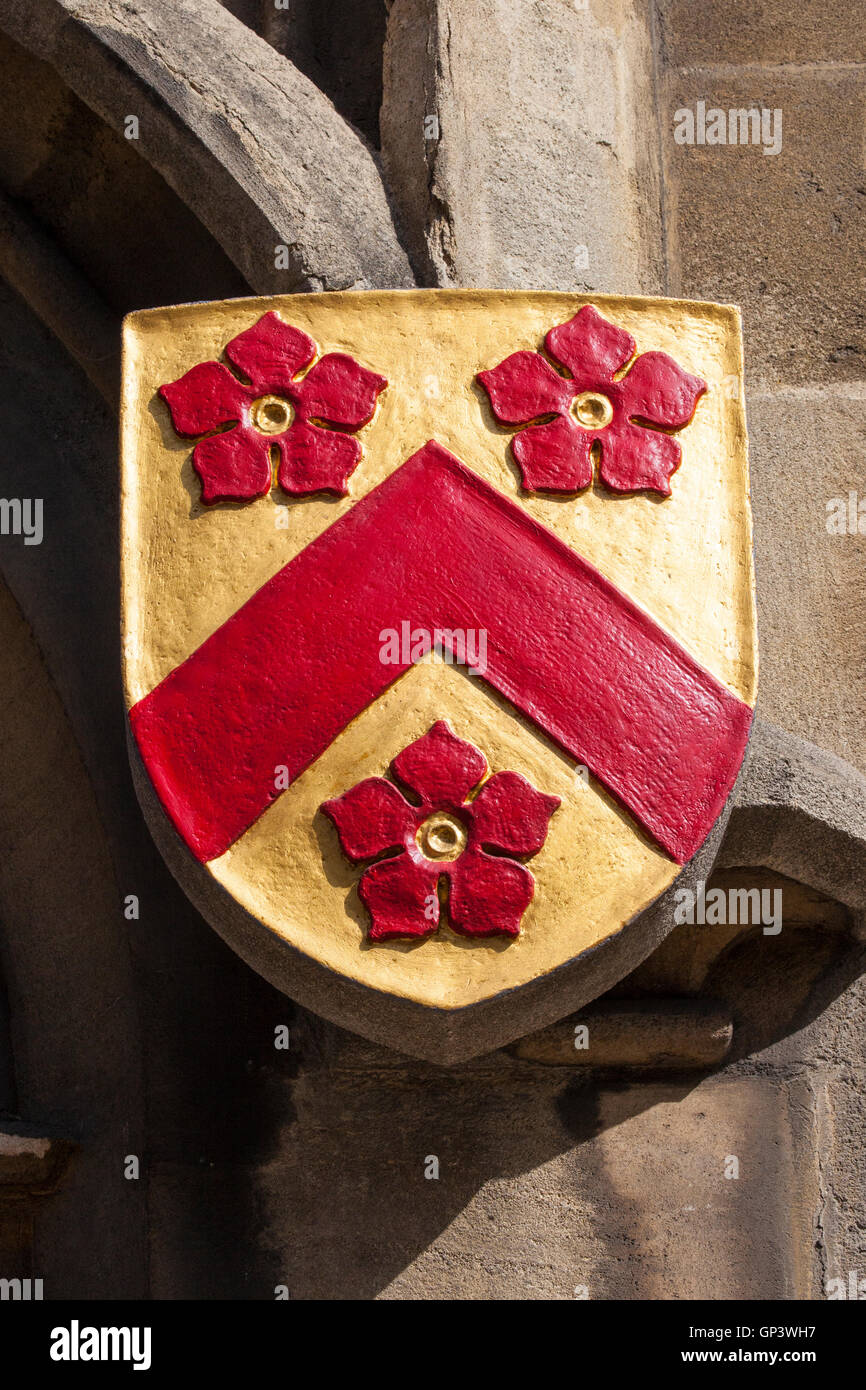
{"x": 260, "y": 156}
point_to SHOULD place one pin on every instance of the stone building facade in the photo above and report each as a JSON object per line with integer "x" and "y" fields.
{"x": 153, "y": 1142}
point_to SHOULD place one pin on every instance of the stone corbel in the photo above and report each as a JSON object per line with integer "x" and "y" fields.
{"x": 800, "y": 811}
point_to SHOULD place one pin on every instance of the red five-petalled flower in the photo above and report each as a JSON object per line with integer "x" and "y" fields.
{"x": 473, "y": 844}
{"x": 627, "y": 415}
{"x": 275, "y": 408}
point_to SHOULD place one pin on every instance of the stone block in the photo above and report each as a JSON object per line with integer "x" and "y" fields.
{"x": 513, "y": 137}
{"x": 783, "y": 235}
{"x": 806, "y": 450}
{"x": 739, "y": 31}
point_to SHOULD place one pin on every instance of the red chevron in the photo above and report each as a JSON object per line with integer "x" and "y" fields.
{"x": 436, "y": 545}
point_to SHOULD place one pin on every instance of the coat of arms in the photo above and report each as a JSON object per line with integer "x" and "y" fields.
{"x": 439, "y": 636}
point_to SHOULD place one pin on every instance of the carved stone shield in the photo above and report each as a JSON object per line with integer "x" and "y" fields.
{"x": 439, "y": 637}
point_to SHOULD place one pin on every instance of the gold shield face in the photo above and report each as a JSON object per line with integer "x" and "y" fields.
{"x": 279, "y": 881}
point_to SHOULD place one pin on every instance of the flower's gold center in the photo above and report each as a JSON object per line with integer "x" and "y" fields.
{"x": 441, "y": 837}
{"x": 592, "y": 410}
{"x": 271, "y": 414}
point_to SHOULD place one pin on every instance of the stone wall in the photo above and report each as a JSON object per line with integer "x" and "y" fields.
{"x": 666, "y": 1173}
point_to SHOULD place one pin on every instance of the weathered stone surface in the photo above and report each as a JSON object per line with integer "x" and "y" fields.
{"x": 30, "y": 1162}
{"x": 822, "y": 1058}
{"x": 338, "y": 44}
{"x": 798, "y": 1000}
{"x": 777, "y": 983}
{"x": 108, "y": 211}
{"x": 841, "y": 1129}
{"x": 800, "y": 811}
{"x": 515, "y": 147}
{"x": 666, "y": 1157}
{"x": 806, "y": 449}
{"x": 261, "y": 157}
{"x": 657, "y": 1034}
{"x": 30, "y": 263}
{"x": 75, "y": 1050}
{"x": 247, "y": 11}
{"x": 775, "y": 31}
{"x": 66, "y": 586}
{"x": 782, "y": 235}
{"x": 547, "y": 1188}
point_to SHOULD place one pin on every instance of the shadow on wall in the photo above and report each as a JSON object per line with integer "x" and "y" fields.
{"x": 336, "y": 43}
{"x": 618, "y": 1174}
{"x": 110, "y": 212}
